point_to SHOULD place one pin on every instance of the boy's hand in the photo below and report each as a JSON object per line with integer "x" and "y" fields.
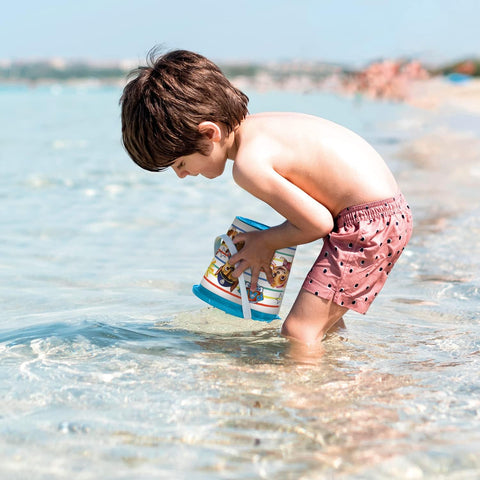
{"x": 255, "y": 254}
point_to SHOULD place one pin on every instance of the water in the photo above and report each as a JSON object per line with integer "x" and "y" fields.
{"x": 110, "y": 368}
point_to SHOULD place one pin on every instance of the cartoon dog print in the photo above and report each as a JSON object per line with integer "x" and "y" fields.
{"x": 280, "y": 274}
{"x": 232, "y": 233}
{"x": 224, "y": 273}
{"x": 225, "y": 277}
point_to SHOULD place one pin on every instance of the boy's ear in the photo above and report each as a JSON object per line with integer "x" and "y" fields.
{"x": 211, "y": 130}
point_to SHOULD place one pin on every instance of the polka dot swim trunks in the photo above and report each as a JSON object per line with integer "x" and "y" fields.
{"x": 360, "y": 252}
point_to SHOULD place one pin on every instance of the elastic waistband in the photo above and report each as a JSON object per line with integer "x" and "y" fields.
{"x": 373, "y": 210}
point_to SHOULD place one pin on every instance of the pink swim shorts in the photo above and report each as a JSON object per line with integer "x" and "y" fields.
{"x": 360, "y": 252}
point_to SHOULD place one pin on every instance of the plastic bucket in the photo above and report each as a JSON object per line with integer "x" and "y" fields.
{"x": 220, "y": 289}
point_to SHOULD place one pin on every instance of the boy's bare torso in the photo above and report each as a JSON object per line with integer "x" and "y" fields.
{"x": 328, "y": 162}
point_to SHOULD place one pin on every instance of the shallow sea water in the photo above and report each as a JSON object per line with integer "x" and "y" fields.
{"x": 110, "y": 368}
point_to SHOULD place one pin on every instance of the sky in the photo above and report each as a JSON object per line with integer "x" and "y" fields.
{"x": 353, "y": 32}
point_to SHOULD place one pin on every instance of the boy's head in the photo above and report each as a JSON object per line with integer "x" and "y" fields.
{"x": 163, "y": 105}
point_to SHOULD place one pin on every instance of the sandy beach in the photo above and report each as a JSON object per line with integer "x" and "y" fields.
{"x": 412, "y": 83}
{"x": 439, "y": 92}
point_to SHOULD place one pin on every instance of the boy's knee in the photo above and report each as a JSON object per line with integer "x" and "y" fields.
{"x": 298, "y": 330}
{"x": 310, "y": 323}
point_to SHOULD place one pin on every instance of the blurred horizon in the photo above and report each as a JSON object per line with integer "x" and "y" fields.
{"x": 128, "y": 63}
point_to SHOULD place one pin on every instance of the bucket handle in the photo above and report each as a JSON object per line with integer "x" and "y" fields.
{"x": 241, "y": 279}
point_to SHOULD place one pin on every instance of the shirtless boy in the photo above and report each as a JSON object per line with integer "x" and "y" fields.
{"x": 180, "y": 111}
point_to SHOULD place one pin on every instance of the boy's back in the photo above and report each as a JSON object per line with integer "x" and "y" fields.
{"x": 328, "y": 162}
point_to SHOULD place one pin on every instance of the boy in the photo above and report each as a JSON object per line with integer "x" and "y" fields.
{"x": 327, "y": 182}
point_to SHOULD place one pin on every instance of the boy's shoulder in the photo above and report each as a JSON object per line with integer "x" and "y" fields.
{"x": 270, "y": 135}
{"x": 261, "y": 131}
{"x": 257, "y": 142}
{"x": 280, "y": 126}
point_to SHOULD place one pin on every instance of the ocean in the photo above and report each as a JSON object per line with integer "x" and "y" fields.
{"x": 110, "y": 368}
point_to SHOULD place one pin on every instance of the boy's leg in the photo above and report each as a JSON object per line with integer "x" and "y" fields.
{"x": 311, "y": 317}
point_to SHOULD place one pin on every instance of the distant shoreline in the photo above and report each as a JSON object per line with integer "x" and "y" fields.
{"x": 456, "y": 85}
{"x": 280, "y": 73}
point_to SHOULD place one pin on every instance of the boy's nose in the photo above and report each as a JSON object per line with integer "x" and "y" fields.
{"x": 181, "y": 173}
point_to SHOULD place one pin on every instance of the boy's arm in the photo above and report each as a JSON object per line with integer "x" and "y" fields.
{"x": 306, "y": 220}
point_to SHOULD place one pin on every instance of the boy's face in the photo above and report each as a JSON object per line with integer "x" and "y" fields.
{"x": 209, "y": 166}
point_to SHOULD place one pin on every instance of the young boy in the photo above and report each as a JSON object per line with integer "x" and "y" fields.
{"x": 326, "y": 181}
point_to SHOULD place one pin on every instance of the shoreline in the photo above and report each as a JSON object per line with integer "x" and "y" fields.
{"x": 433, "y": 93}
{"x": 440, "y": 93}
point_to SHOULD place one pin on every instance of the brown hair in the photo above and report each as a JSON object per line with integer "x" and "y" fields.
{"x": 166, "y": 101}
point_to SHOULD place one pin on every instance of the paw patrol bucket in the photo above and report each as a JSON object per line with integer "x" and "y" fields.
{"x": 233, "y": 295}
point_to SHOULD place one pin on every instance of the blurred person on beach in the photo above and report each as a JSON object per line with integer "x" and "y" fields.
{"x": 181, "y": 112}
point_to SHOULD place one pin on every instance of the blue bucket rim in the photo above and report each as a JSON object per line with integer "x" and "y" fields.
{"x": 253, "y": 223}
{"x": 229, "y": 307}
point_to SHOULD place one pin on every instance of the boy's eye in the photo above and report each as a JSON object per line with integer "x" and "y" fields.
{"x": 181, "y": 165}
